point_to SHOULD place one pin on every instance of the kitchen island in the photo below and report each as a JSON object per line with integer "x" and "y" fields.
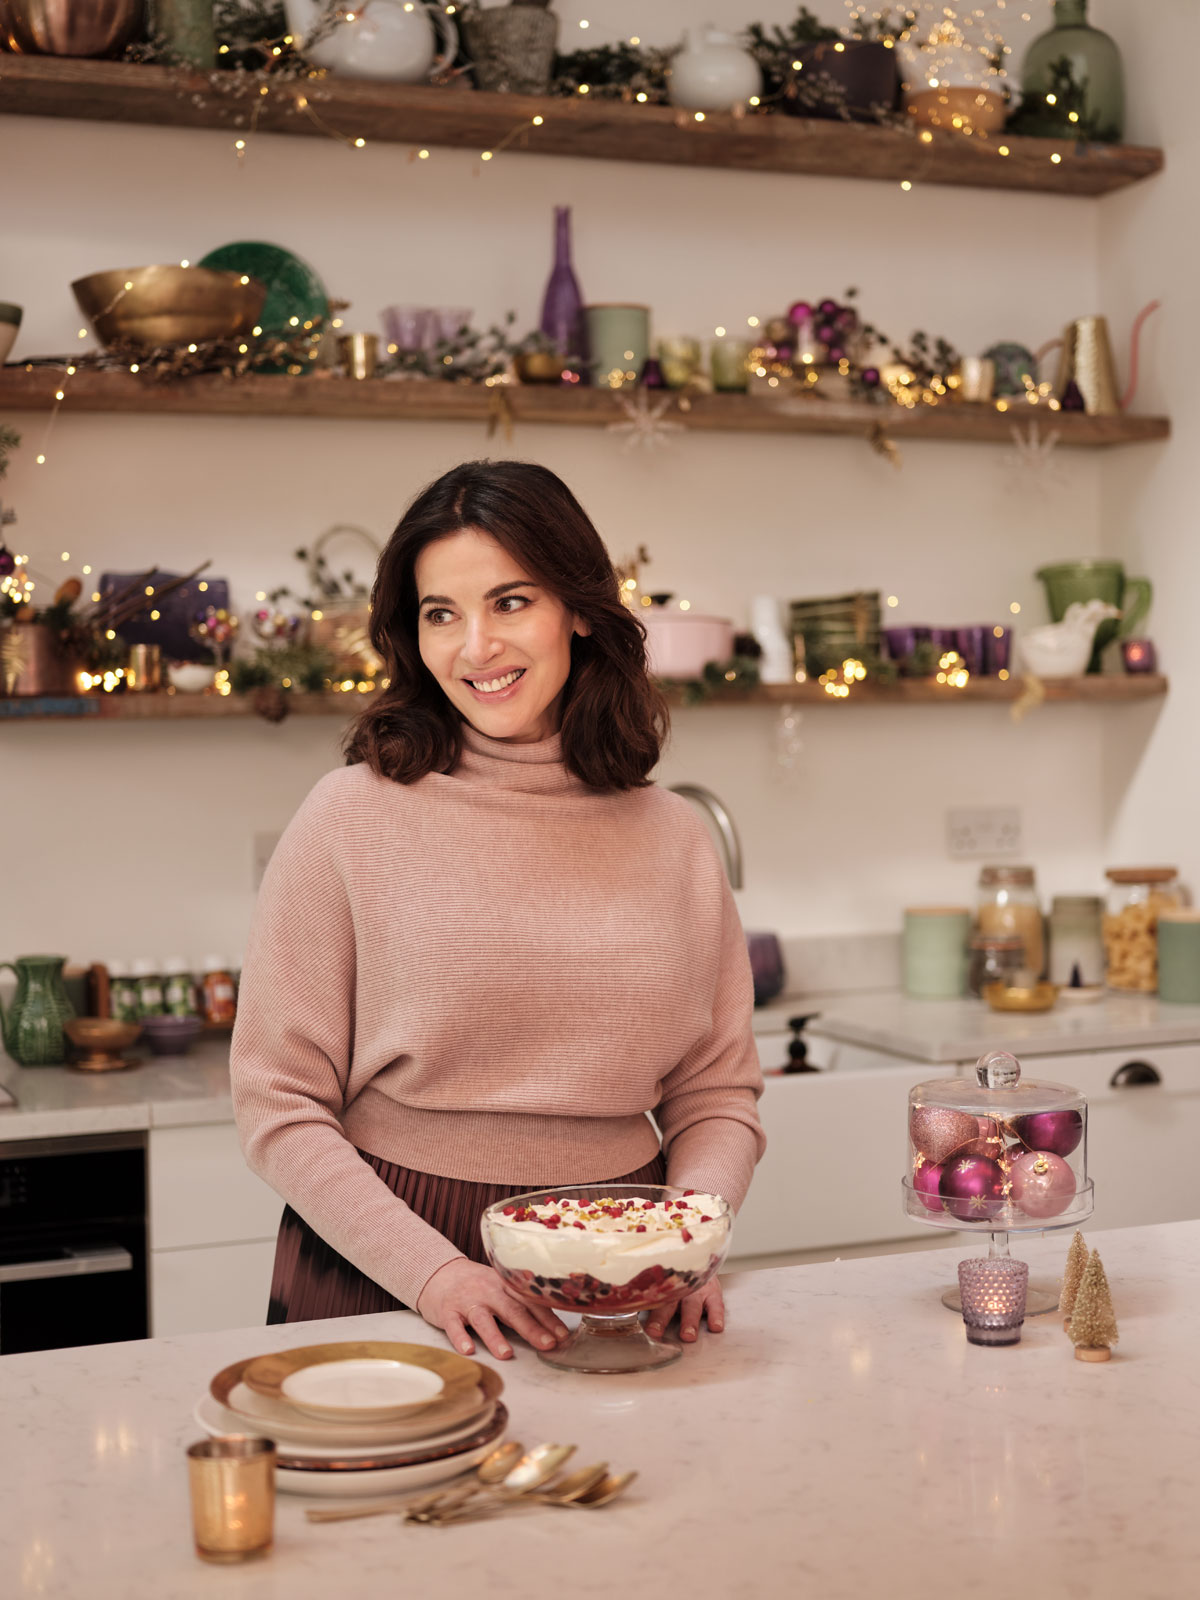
{"x": 842, "y": 1439}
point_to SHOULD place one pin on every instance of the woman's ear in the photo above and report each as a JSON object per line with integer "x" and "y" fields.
{"x": 582, "y": 628}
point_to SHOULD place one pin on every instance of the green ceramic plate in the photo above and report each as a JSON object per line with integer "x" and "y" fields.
{"x": 293, "y": 288}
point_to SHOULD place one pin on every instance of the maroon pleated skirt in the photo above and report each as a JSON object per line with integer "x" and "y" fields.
{"x": 311, "y": 1280}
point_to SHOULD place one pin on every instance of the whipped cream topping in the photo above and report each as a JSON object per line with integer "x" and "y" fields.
{"x": 610, "y": 1239}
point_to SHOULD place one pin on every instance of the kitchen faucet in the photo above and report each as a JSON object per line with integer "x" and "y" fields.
{"x": 731, "y": 845}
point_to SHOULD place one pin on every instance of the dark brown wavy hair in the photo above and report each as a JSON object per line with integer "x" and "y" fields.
{"x": 614, "y": 718}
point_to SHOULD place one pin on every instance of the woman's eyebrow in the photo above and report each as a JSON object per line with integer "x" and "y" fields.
{"x": 492, "y": 594}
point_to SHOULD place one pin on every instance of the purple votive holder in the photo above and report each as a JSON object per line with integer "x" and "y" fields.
{"x": 970, "y": 646}
{"x": 900, "y": 643}
{"x": 993, "y": 1298}
{"x": 942, "y": 639}
{"x": 997, "y": 650}
{"x": 1139, "y": 655}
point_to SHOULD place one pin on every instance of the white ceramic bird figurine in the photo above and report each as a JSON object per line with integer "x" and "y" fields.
{"x": 1061, "y": 649}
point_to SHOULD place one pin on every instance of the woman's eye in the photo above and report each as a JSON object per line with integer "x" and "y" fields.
{"x": 436, "y": 617}
{"x": 516, "y": 601}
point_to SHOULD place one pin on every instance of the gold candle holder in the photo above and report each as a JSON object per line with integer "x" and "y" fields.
{"x": 359, "y": 353}
{"x": 143, "y": 674}
{"x": 233, "y": 1497}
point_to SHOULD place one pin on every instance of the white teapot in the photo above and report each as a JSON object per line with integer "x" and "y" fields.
{"x": 393, "y": 39}
{"x": 1063, "y": 649}
{"x": 712, "y": 72}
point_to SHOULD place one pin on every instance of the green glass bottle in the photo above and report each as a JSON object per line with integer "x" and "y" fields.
{"x": 1072, "y": 81}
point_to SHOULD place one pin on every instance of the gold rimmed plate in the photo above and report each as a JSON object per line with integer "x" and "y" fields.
{"x": 365, "y": 1381}
{"x": 279, "y": 1420}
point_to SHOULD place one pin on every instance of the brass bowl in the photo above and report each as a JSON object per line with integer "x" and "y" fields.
{"x": 1003, "y": 997}
{"x": 100, "y": 1041}
{"x": 540, "y": 366}
{"x": 169, "y": 305}
{"x": 961, "y": 108}
{"x": 52, "y": 28}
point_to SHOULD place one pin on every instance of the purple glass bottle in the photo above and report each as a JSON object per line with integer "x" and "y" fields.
{"x": 562, "y": 304}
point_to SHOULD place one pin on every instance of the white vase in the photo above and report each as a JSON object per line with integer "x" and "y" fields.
{"x": 387, "y": 39}
{"x": 712, "y": 72}
{"x": 776, "y": 664}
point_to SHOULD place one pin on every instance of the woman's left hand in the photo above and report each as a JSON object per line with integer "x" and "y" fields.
{"x": 707, "y": 1302}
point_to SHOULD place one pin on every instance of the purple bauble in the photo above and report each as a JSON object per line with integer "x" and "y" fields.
{"x": 870, "y": 377}
{"x": 926, "y": 1181}
{"x": 973, "y": 1188}
{"x": 1056, "y": 1131}
{"x": 8, "y": 562}
{"x": 829, "y": 308}
{"x": 799, "y": 312}
{"x": 1043, "y": 1185}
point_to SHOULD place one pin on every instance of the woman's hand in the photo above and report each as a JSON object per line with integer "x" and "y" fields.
{"x": 463, "y": 1295}
{"x": 708, "y": 1302}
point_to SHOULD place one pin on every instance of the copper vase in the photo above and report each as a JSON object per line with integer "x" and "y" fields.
{"x": 70, "y": 27}
{"x": 32, "y": 662}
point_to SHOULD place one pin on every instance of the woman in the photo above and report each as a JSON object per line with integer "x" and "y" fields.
{"x": 487, "y": 947}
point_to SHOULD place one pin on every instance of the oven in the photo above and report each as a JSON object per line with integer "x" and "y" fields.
{"x": 73, "y": 1266}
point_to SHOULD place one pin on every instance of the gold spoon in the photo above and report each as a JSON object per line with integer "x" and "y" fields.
{"x": 601, "y": 1493}
{"x": 534, "y": 1468}
{"x": 572, "y": 1487}
{"x": 491, "y": 1469}
{"x": 590, "y": 1486}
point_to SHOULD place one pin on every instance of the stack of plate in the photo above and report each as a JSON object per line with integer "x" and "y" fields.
{"x": 357, "y": 1418}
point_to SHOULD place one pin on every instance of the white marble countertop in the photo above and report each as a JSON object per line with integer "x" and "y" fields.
{"x": 842, "y": 1439}
{"x": 162, "y": 1091}
{"x": 961, "y": 1030}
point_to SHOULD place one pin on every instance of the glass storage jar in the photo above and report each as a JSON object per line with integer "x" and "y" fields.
{"x": 995, "y": 958}
{"x": 1076, "y": 941}
{"x": 1008, "y": 904}
{"x": 1136, "y": 895}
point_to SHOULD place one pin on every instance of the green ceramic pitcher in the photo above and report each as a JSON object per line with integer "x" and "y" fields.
{"x": 33, "y": 1022}
{"x": 1069, "y": 581}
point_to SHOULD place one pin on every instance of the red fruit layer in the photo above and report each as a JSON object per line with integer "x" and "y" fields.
{"x": 579, "y": 1291}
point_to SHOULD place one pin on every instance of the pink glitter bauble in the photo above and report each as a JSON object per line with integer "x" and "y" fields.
{"x": 1043, "y": 1185}
{"x": 937, "y": 1132}
{"x": 926, "y": 1181}
{"x": 972, "y": 1188}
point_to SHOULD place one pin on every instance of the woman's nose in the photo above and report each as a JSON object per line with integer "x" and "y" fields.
{"x": 480, "y": 644}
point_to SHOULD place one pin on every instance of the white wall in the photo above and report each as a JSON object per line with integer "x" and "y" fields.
{"x": 133, "y": 839}
{"x": 1149, "y": 237}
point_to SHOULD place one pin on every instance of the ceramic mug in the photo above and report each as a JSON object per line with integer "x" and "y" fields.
{"x": 618, "y": 340}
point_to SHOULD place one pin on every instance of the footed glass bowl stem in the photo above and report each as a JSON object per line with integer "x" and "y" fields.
{"x": 615, "y": 1343}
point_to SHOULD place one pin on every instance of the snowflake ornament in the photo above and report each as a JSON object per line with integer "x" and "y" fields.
{"x": 645, "y": 425}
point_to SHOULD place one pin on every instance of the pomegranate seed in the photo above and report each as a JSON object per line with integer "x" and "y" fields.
{"x": 647, "y": 1205}
{"x": 689, "y": 1191}
{"x": 509, "y": 1210}
{"x": 641, "y": 1228}
{"x": 705, "y": 1219}
{"x": 686, "y": 1237}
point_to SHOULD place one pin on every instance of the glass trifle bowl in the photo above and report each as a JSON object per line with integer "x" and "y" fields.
{"x": 608, "y": 1251}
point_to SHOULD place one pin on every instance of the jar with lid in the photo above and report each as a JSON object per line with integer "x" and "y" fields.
{"x": 995, "y": 958}
{"x": 1076, "y": 941}
{"x": 1008, "y": 905}
{"x": 122, "y": 993}
{"x": 179, "y": 992}
{"x": 1136, "y": 895}
{"x": 148, "y": 982}
{"x": 218, "y": 995}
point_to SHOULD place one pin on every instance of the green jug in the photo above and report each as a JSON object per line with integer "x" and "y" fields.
{"x": 1069, "y": 581}
{"x": 33, "y": 1023}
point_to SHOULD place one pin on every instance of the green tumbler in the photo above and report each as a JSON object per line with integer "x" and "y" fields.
{"x": 934, "y": 952}
{"x": 1179, "y": 956}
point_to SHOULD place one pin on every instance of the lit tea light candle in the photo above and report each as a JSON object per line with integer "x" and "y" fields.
{"x": 1139, "y": 655}
{"x": 993, "y": 1298}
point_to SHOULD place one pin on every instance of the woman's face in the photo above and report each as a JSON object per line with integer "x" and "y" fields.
{"x": 498, "y": 643}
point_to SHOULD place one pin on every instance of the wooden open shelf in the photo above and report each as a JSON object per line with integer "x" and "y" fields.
{"x": 426, "y": 400}
{"x": 1105, "y": 690}
{"x": 115, "y": 91}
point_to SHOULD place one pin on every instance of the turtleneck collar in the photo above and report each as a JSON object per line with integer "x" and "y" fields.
{"x": 535, "y": 768}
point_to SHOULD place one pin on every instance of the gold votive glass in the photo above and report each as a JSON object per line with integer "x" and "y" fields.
{"x": 143, "y": 673}
{"x": 730, "y": 362}
{"x": 679, "y": 361}
{"x": 359, "y": 354}
{"x": 233, "y": 1497}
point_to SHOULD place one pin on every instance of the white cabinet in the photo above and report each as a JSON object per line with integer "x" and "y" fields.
{"x": 833, "y": 1165}
{"x": 1142, "y": 1138}
{"x": 212, "y": 1232}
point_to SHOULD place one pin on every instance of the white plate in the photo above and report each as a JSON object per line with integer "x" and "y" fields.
{"x": 360, "y": 1485}
{"x": 276, "y": 1419}
{"x": 217, "y": 1419}
{"x": 360, "y": 1388}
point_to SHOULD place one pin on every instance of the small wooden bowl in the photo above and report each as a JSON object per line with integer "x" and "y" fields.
{"x": 100, "y": 1041}
{"x": 1040, "y": 997}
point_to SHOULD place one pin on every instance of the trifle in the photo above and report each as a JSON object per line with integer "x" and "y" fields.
{"x": 609, "y": 1252}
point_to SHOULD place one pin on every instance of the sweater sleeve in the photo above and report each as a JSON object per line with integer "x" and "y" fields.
{"x": 291, "y": 1057}
{"x": 708, "y": 1106}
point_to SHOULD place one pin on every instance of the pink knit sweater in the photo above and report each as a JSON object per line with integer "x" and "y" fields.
{"x": 490, "y": 975}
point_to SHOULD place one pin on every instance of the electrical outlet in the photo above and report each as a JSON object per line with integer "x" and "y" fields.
{"x": 983, "y": 831}
{"x": 262, "y": 849}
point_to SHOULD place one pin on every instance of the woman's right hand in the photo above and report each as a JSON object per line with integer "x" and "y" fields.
{"x": 463, "y": 1295}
